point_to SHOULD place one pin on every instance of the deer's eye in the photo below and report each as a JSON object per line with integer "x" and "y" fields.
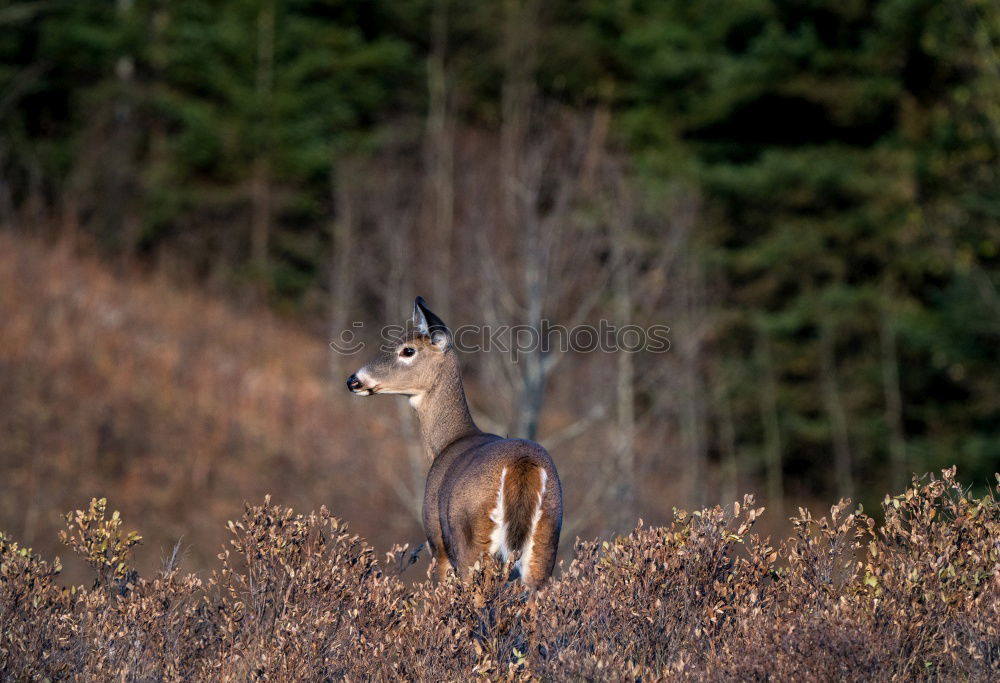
{"x": 408, "y": 351}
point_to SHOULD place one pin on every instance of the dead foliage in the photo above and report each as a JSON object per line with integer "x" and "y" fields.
{"x": 299, "y": 597}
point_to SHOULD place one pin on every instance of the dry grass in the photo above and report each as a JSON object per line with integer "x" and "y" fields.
{"x": 301, "y": 598}
{"x": 128, "y": 387}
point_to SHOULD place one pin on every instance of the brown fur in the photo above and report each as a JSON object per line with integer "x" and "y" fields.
{"x": 546, "y": 537}
{"x": 521, "y": 489}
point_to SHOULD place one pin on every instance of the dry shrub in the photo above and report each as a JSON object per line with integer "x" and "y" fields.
{"x": 298, "y": 597}
{"x": 102, "y": 545}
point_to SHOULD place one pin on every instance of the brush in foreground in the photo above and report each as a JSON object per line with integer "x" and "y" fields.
{"x": 298, "y": 597}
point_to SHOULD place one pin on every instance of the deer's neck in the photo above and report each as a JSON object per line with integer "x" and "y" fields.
{"x": 443, "y": 413}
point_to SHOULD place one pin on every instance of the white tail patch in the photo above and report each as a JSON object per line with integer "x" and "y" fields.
{"x": 498, "y": 539}
{"x": 524, "y": 563}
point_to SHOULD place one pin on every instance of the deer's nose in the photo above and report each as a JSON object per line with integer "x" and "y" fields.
{"x": 353, "y": 383}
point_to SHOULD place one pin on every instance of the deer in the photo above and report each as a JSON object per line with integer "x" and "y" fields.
{"x": 485, "y": 495}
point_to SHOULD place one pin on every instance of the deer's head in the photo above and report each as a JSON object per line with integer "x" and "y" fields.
{"x": 410, "y": 365}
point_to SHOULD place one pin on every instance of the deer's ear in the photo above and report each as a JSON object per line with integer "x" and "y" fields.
{"x": 431, "y": 325}
{"x": 419, "y": 319}
{"x": 441, "y": 339}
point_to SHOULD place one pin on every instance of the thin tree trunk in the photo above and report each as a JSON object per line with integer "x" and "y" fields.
{"x": 158, "y": 63}
{"x": 624, "y": 437}
{"x": 530, "y": 403}
{"x": 727, "y": 446}
{"x": 893, "y": 404}
{"x": 261, "y": 200}
{"x": 519, "y": 57}
{"x": 342, "y": 275}
{"x": 772, "y": 427}
{"x": 260, "y": 236}
{"x": 835, "y": 411}
{"x": 440, "y": 157}
{"x": 692, "y": 416}
{"x": 533, "y": 374}
{"x": 532, "y": 393}
{"x": 398, "y": 285}
{"x": 520, "y": 25}
{"x": 124, "y": 167}
{"x": 693, "y": 409}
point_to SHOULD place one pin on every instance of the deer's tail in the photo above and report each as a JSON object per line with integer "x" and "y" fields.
{"x": 523, "y": 492}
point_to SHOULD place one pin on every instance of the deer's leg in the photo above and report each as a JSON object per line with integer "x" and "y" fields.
{"x": 439, "y": 558}
{"x": 474, "y": 542}
{"x": 442, "y": 564}
{"x": 544, "y": 542}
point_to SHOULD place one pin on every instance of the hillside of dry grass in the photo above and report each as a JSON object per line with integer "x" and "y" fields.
{"x": 300, "y": 597}
{"x": 176, "y": 406}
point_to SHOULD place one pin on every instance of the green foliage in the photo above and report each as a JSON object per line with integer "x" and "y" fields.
{"x": 850, "y": 178}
